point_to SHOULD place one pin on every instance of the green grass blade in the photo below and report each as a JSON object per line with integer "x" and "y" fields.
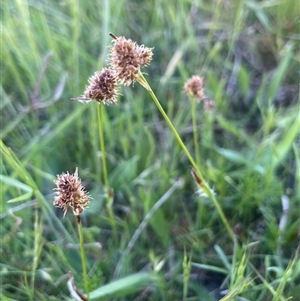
{"x": 124, "y": 286}
{"x": 286, "y": 143}
{"x": 281, "y": 71}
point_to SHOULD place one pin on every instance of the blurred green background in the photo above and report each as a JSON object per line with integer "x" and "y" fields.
{"x": 248, "y": 53}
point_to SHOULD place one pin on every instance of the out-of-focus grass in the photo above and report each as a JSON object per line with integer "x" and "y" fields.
{"x": 246, "y": 50}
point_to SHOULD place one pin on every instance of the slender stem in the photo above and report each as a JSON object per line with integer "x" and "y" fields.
{"x": 35, "y": 258}
{"x": 102, "y": 146}
{"x": 105, "y": 177}
{"x": 222, "y": 215}
{"x": 200, "y": 205}
{"x": 195, "y": 131}
{"x": 206, "y": 189}
{"x": 180, "y": 142}
{"x": 186, "y": 264}
{"x": 82, "y": 254}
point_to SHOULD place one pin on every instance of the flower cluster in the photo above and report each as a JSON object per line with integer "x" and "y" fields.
{"x": 127, "y": 58}
{"x": 195, "y": 87}
{"x": 209, "y": 104}
{"x": 70, "y": 193}
{"x": 102, "y": 88}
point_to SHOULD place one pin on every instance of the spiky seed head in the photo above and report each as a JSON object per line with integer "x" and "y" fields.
{"x": 70, "y": 193}
{"x": 127, "y": 58}
{"x": 145, "y": 55}
{"x": 102, "y": 87}
{"x": 195, "y": 87}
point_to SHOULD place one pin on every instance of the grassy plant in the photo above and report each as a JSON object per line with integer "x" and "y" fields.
{"x": 246, "y": 151}
{"x": 109, "y": 196}
{"x": 83, "y": 259}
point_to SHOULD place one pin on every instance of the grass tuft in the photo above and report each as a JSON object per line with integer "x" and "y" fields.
{"x": 162, "y": 237}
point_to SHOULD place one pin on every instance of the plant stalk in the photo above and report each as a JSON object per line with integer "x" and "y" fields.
{"x": 202, "y": 184}
{"x": 195, "y": 132}
{"x": 200, "y": 205}
{"x": 82, "y": 255}
{"x": 109, "y": 199}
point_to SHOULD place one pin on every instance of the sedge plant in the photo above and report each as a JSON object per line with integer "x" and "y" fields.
{"x": 194, "y": 88}
{"x": 127, "y": 58}
{"x": 71, "y": 194}
{"x": 102, "y": 87}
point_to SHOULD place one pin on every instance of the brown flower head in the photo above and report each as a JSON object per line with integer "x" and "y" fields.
{"x": 127, "y": 58}
{"x": 70, "y": 193}
{"x": 195, "y": 87}
{"x": 102, "y": 87}
{"x": 209, "y": 104}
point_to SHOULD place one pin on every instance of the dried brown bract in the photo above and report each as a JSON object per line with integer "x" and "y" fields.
{"x": 70, "y": 193}
{"x": 127, "y": 58}
{"x": 195, "y": 87}
{"x": 102, "y": 88}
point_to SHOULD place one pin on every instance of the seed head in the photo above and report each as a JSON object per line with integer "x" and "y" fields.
{"x": 127, "y": 58}
{"x": 70, "y": 193}
{"x": 195, "y": 87}
{"x": 102, "y": 87}
{"x": 209, "y": 104}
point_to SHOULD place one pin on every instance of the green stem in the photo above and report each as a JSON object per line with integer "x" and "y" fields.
{"x": 82, "y": 254}
{"x": 109, "y": 199}
{"x": 35, "y": 258}
{"x": 102, "y": 146}
{"x": 145, "y": 84}
{"x": 200, "y": 205}
{"x": 206, "y": 189}
{"x": 195, "y": 131}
